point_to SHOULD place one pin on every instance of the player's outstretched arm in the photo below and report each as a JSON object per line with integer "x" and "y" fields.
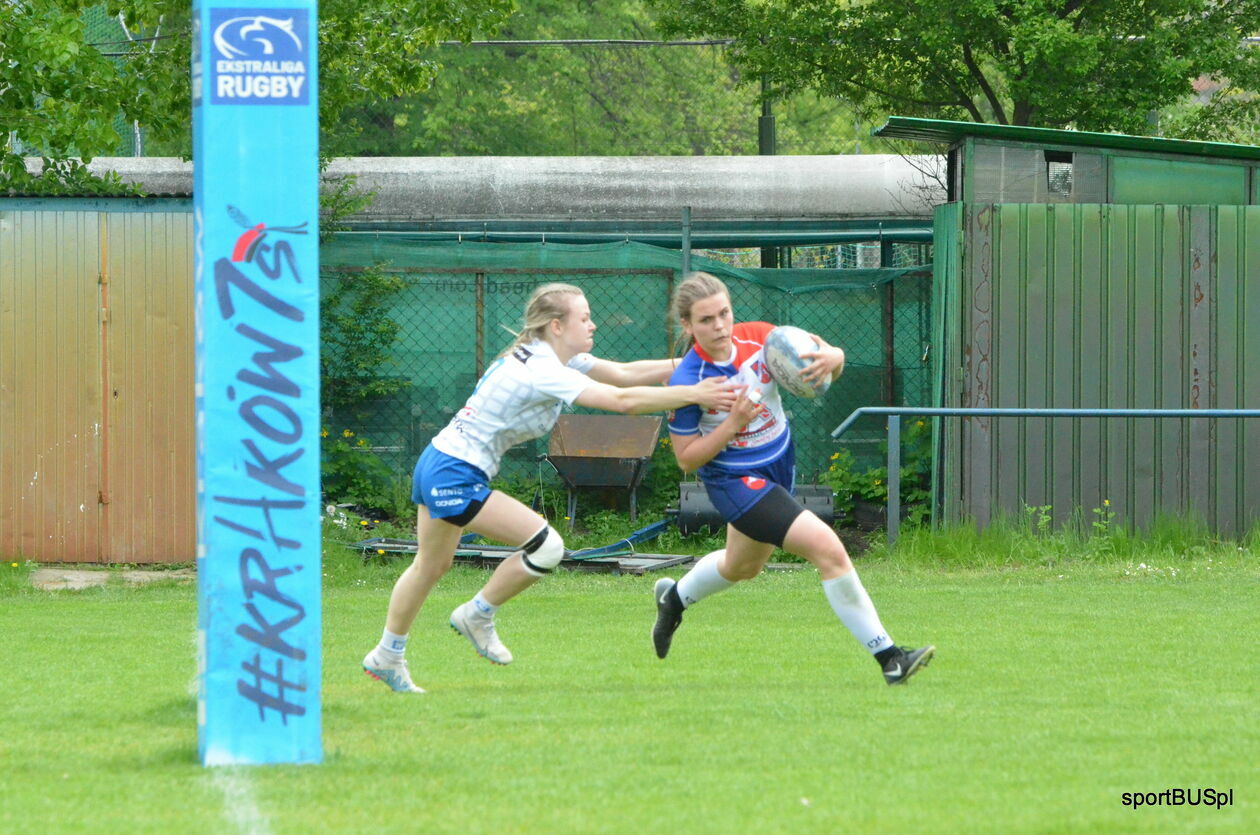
{"x": 710, "y": 393}
{"x": 694, "y": 451}
{"x": 636, "y": 373}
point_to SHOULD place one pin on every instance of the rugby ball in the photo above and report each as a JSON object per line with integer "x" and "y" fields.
{"x": 783, "y": 349}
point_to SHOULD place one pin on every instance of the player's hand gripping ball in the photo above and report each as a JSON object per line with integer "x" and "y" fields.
{"x": 783, "y": 349}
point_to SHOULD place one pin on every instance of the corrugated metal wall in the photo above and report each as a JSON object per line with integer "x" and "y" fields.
{"x": 1101, "y": 306}
{"x": 96, "y": 370}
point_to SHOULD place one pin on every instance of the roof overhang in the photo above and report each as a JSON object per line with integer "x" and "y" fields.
{"x": 952, "y": 133}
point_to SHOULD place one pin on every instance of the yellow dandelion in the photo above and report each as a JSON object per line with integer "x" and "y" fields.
{"x": 834, "y": 456}
{"x": 323, "y": 433}
{"x": 1106, "y": 502}
{"x": 360, "y": 442}
{"x": 362, "y": 521}
{"x": 13, "y": 564}
{"x": 380, "y": 551}
{"x": 346, "y": 433}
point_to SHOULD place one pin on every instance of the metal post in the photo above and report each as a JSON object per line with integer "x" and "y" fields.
{"x": 767, "y": 141}
{"x": 767, "y": 145}
{"x": 892, "y": 518}
{"x": 479, "y": 294}
{"x": 686, "y": 239}
{"x": 890, "y": 353}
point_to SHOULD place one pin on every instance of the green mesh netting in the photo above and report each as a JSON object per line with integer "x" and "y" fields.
{"x": 459, "y": 301}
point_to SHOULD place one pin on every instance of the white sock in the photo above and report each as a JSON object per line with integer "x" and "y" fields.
{"x": 853, "y": 606}
{"x": 391, "y": 644}
{"x": 703, "y": 580}
{"x": 483, "y": 607}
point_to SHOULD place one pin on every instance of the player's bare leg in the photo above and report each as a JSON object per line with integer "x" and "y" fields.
{"x": 504, "y": 519}
{"x": 435, "y": 550}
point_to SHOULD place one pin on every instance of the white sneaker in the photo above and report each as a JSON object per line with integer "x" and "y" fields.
{"x": 479, "y": 630}
{"x": 393, "y": 673}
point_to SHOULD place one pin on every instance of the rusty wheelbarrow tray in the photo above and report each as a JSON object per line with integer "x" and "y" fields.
{"x": 603, "y": 451}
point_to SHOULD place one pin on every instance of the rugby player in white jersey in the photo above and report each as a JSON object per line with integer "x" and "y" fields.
{"x": 746, "y": 459}
{"x": 518, "y": 399}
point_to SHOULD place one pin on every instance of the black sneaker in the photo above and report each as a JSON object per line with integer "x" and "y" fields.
{"x": 906, "y": 662}
{"x": 669, "y": 610}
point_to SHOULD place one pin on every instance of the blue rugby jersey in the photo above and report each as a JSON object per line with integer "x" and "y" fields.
{"x": 767, "y": 436}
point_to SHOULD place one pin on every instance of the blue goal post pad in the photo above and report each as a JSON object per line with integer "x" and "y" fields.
{"x": 256, "y": 268}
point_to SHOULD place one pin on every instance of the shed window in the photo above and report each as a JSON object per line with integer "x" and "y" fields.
{"x": 1059, "y": 173}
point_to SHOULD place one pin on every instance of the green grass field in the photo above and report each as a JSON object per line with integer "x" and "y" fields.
{"x": 1054, "y": 690}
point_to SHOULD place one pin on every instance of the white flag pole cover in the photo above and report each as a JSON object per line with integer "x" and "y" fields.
{"x": 256, "y": 263}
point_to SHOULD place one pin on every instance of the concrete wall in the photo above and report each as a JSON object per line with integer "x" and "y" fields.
{"x": 611, "y": 188}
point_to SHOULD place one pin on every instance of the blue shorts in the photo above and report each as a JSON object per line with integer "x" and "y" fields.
{"x": 734, "y": 492}
{"x": 447, "y": 485}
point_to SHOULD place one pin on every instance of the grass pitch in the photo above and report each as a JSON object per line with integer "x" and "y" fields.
{"x": 1054, "y": 690}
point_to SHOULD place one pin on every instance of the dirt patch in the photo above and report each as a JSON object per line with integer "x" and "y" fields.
{"x": 57, "y": 579}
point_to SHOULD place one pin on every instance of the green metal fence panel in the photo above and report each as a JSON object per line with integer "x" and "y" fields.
{"x": 945, "y": 351}
{"x": 1173, "y": 181}
{"x": 1100, "y": 306}
{"x": 1235, "y": 375}
{"x": 459, "y": 301}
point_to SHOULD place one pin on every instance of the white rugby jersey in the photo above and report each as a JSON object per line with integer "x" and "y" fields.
{"x": 518, "y": 399}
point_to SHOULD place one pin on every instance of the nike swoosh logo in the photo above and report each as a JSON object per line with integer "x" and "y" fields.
{"x": 896, "y": 671}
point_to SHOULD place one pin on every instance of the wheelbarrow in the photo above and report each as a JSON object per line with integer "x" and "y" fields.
{"x": 602, "y": 451}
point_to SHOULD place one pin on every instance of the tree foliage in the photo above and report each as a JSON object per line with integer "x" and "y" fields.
{"x": 1088, "y": 64}
{"x": 611, "y": 99}
{"x": 64, "y": 95}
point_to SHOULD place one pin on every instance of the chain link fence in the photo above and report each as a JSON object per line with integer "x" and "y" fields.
{"x": 451, "y": 307}
{"x": 101, "y": 31}
{"x": 108, "y": 33}
{"x": 866, "y": 255}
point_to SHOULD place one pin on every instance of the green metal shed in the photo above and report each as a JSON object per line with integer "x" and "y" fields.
{"x": 1088, "y": 270}
{"x": 1012, "y": 164}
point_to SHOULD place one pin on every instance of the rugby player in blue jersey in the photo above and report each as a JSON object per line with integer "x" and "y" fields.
{"x": 746, "y": 460}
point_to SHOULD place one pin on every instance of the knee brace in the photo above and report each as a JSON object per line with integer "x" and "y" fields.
{"x": 543, "y": 551}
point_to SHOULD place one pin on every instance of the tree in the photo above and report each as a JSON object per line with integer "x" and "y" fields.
{"x": 53, "y": 87}
{"x": 514, "y": 99}
{"x": 1088, "y": 64}
{"x": 61, "y": 94}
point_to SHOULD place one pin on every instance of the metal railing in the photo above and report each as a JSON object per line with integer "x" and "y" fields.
{"x": 892, "y": 508}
